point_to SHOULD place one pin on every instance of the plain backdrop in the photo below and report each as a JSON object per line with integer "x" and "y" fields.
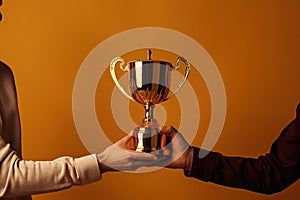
{"x": 255, "y": 44}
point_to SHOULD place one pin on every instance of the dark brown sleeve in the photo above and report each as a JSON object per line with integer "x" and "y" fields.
{"x": 266, "y": 174}
{"x": 9, "y": 112}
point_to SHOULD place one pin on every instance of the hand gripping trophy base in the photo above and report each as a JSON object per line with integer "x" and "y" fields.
{"x": 148, "y": 138}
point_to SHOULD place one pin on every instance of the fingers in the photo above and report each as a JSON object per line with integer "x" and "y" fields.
{"x": 125, "y": 140}
{"x": 143, "y": 156}
{"x": 136, "y": 164}
{"x": 160, "y": 162}
{"x": 170, "y": 131}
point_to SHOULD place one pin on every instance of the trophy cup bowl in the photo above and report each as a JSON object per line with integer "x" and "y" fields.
{"x": 149, "y": 84}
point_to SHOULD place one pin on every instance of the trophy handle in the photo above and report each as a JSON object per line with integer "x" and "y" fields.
{"x": 187, "y": 71}
{"x": 114, "y": 77}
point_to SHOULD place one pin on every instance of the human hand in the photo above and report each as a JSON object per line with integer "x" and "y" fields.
{"x": 121, "y": 157}
{"x": 181, "y": 152}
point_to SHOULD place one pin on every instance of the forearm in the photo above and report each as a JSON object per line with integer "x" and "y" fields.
{"x": 267, "y": 174}
{"x": 19, "y": 177}
{"x": 259, "y": 175}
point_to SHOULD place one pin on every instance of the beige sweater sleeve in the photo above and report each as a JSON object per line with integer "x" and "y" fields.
{"x": 19, "y": 177}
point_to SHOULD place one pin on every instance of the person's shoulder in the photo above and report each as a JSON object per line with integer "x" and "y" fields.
{"x": 5, "y": 70}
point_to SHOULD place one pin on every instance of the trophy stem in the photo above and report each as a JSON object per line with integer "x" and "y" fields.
{"x": 149, "y": 114}
{"x": 148, "y": 139}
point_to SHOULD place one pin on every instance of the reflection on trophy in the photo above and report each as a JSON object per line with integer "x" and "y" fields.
{"x": 149, "y": 84}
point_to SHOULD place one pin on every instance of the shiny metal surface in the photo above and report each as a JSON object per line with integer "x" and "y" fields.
{"x": 149, "y": 81}
{"x": 149, "y": 84}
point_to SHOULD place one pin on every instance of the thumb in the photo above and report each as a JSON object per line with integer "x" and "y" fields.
{"x": 125, "y": 139}
{"x": 170, "y": 131}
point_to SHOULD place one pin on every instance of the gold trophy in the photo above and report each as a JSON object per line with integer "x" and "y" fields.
{"x": 149, "y": 84}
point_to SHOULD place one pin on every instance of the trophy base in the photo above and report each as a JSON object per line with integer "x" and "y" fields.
{"x": 150, "y": 141}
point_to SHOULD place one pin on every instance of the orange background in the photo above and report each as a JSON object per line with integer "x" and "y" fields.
{"x": 255, "y": 44}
